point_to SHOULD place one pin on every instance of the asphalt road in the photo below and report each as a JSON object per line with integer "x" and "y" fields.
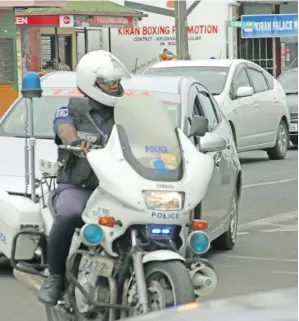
{"x": 266, "y": 254}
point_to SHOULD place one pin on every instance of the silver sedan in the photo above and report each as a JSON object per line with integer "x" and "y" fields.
{"x": 186, "y": 97}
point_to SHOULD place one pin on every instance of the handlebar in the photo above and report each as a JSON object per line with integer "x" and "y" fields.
{"x": 76, "y": 148}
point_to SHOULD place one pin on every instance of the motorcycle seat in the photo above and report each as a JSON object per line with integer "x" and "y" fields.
{"x": 51, "y": 203}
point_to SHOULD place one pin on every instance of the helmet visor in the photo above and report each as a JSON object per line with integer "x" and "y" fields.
{"x": 109, "y": 74}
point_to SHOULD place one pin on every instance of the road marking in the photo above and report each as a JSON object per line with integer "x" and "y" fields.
{"x": 284, "y": 228}
{"x": 274, "y": 220}
{"x": 284, "y": 272}
{"x": 282, "y": 181}
{"x": 242, "y": 233}
{"x": 260, "y": 258}
{"x": 272, "y": 271}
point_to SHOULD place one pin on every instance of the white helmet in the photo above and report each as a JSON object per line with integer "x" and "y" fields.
{"x": 98, "y": 77}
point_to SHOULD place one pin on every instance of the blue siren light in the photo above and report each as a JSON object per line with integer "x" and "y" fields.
{"x": 92, "y": 234}
{"x": 199, "y": 242}
{"x": 160, "y": 231}
{"x": 31, "y": 85}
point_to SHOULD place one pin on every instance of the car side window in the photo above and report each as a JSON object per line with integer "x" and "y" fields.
{"x": 240, "y": 80}
{"x": 208, "y": 109}
{"x": 258, "y": 80}
{"x": 197, "y": 110}
{"x": 217, "y": 109}
{"x": 269, "y": 78}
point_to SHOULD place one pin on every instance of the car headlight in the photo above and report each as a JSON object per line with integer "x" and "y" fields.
{"x": 164, "y": 201}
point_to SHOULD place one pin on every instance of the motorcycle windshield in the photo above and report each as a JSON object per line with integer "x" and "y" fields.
{"x": 148, "y": 137}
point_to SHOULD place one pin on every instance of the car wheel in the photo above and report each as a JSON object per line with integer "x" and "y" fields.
{"x": 279, "y": 151}
{"x": 294, "y": 140}
{"x": 227, "y": 240}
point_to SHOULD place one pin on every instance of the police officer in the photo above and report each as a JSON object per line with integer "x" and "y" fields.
{"x": 98, "y": 77}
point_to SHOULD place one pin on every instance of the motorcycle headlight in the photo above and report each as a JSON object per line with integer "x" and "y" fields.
{"x": 164, "y": 201}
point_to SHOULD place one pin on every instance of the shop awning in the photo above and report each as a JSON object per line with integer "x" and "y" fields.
{"x": 32, "y": 3}
{"x": 80, "y": 14}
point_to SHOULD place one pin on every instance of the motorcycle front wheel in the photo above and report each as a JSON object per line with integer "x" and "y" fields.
{"x": 168, "y": 284}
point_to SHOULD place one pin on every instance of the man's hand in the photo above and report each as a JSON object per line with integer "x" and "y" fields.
{"x": 84, "y": 147}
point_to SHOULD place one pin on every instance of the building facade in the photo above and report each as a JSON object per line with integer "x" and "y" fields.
{"x": 208, "y": 32}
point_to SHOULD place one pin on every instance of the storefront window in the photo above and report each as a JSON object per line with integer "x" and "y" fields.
{"x": 290, "y": 52}
{"x": 7, "y": 63}
{"x": 49, "y": 52}
{"x": 290, "y": 44}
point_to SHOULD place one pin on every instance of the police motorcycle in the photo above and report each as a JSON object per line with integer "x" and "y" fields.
{"x": 137, "y": 251}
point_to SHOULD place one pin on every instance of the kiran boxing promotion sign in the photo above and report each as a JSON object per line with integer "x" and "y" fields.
{"x": 154, "y": 39}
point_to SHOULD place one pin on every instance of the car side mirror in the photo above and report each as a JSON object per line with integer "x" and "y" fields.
{"x": 212, "y": 142}
{"x": 244, "y": 92}
{"x": 199, "y": 126}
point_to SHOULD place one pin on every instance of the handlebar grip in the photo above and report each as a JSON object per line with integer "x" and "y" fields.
{"x": 69, "y": 147}
{"x": 76, "y": 148}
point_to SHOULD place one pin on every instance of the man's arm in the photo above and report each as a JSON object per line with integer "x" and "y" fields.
{"x": 64, "y": 126}
{"x": 65, "y": 131}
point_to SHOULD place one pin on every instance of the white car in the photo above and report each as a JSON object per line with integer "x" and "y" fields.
{"x": 252, "y": 100}
{"x": 183, "y": 97}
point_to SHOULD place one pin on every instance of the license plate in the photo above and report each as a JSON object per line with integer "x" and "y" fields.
{"x": 293, "y": 127}
{"x": 97, "y": 265}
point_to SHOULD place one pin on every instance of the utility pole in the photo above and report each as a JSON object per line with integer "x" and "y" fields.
{"x": 181, "y": 32}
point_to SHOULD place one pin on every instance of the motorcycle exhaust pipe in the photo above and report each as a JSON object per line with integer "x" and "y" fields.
{"x": 200, "y": 281}
{"x": 32, "y": 282}
{"x": 204, "y": 280}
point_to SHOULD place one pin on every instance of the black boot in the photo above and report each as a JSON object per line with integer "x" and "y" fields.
{"x": 51, "y": 290}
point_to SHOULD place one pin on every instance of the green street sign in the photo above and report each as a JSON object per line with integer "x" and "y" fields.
{"x": 240, "y": 24}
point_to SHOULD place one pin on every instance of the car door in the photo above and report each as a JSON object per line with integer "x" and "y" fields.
{"x": 266, "y": 106}
{"x": 217, "y": 200}
{"x": 245, "y": 110}
{"x": 210, "y": 206}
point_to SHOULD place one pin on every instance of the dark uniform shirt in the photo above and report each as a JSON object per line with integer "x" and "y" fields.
{"x": 63, "y": 117}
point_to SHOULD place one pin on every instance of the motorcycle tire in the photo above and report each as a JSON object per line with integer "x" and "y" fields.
{"x": 178, "y": 276}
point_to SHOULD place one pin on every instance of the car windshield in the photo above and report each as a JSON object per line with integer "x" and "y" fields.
{"x": 170, "y": 100}
{"x": 213, "y": 78}
{"x": 147, "y": 132}
{"x": 44, "y": 110}
{"x": 289, "y": 82}
{"x": 43, "y": 114}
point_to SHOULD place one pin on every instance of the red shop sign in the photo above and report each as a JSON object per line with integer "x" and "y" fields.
{"x": 37, "y": 21}
{"x": 79, "y": 21}
{"x": 104, "y": 21}
{"x": 112, "y": 21}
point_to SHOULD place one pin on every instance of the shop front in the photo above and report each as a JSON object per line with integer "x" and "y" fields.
{"x": 272, "y": 42}
{"x": 9, "y": 84}
{"x": 289, "y": 45}
{"x": 48, "y": 38}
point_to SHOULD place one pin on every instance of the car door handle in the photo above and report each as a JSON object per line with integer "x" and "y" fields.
{"x": 256, "y": 105}
{"x": 275, "y": 100}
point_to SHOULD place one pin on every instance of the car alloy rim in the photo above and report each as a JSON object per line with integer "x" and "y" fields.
{"x": 282, "y": 139}
{"x": 233, "y": 220}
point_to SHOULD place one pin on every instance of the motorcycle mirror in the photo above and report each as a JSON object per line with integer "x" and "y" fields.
{"x": 199, "y": 126}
